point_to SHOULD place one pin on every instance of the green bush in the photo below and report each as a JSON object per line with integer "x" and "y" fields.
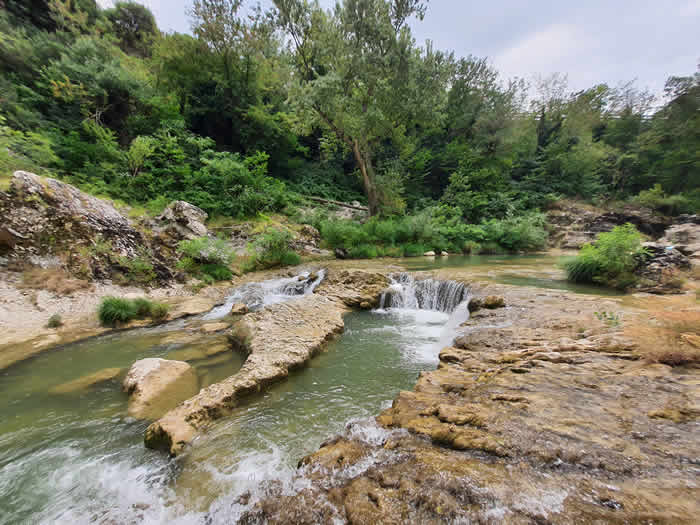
{"x": 116, "y": 310}
{"x": 206, "y": 259}
{"x": 207, "y": 250}
{"x": 656, "y": 199}
{"x": 610, "y": 260}
{"x": 439, "y": 229}
{"x": 271, "y": 249}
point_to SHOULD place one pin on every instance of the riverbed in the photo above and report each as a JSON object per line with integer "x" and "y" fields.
{"x": 77, "y": 457}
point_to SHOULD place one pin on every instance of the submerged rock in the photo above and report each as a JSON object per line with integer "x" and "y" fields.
{"x": 155, "y": 385}
{"x": 275, "y": 340}
{"x": 101, "y": 376}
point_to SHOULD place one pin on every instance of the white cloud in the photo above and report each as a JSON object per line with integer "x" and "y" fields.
{"x": 553, "y": 49}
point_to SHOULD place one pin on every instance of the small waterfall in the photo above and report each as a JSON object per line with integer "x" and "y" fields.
{"x": 424, "y": 294}
{"x": 260, "y": 294}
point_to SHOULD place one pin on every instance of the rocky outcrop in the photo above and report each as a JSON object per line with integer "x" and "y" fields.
{"x": 275, "y": 340}
{"x": 685, "y": 237}
{"x": 541, "y": 413}
{"x": 155, "y": 385}
{"x": 43, "y": 216}
{"x": 574, "y": 225}
{"x": 662, "y": 270}
{"x": 182, "y": 221}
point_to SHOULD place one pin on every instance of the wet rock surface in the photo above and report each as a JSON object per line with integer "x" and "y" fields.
{"x": 542, "y": 412}
{"x": 276, "y": 339}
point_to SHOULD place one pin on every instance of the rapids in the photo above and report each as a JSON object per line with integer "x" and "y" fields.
{"x": 77, "y": 457}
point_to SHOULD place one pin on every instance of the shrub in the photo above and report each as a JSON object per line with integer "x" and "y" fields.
{"x": 117, "y": 310}
{"x": 656, "y": 199}
{"x": 363, "y": 251}
{"x": 271, "y": 249}
{"x": 207, "y": 259}
{"x": 207, "y": 250}
{"x": 413, "y": 250}
{"x": 54, "y": 321}
{"x": 610, "y": 260}
{"x": 138, "y": 269}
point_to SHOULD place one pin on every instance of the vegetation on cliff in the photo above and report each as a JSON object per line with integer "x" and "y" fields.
{"x": 250, "y": 114}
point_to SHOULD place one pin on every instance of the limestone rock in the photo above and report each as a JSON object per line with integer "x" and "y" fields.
{"x": 239, "y": 309}
{"x": 210, "y": 328}
{"x": 444, "y": 254}
{"x": 182, "y": 220}
{"x": 494, "y": 301}
{"x": 685, "y": 238}
{"x": 36, "y": 208}
{"x": 101, "y": 376}
{"x": 429, "y": 254}
{"x": 276, "y": 339}
{"x": 156, "y": 385}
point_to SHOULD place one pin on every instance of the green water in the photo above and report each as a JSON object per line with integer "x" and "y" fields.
{"x": 79, "y": 458}
{"x": 539, "y": 271}
{"x": 57, "y": 450}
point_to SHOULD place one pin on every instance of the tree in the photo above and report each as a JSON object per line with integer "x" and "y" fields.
{"x": 354, "y": 68}
{"x": 135, "y": 27}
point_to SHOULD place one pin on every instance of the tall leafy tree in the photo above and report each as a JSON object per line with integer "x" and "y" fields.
{"x": 354, "y": 67}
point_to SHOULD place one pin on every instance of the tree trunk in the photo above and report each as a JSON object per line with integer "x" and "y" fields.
{"x": 365, "y": 164}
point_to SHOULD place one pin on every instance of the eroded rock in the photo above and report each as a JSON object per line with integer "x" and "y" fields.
{"x": 82, "y": 383}
{"x": 583, "y": 432}
{"x": 182, "y": 221}
{"x": 274, "y": 340}
{"x": 156, "y": 385}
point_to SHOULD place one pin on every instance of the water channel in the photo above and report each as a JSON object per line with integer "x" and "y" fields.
{"x": 76, "y": 457}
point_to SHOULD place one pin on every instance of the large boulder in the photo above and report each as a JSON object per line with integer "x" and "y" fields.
{"x": 662, "y": 270}
{"x": 43, "y": 216}
{"x": 183, "y": 221}
{"x": 157, "y": 385}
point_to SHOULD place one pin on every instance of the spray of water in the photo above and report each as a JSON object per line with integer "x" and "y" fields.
{"x": 260, "y": 294}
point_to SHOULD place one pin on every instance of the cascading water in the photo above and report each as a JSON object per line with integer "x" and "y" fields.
{"x": 260, "y": 294}
{"x": 425, "y": 294}
{"x": 79, "y": 458}
{"x": 422, "y": 299}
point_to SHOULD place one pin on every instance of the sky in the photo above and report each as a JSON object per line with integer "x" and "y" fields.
{"x": 592, "y": 41}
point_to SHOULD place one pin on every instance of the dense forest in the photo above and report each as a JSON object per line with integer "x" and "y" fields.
{"x": 255, "y": 110}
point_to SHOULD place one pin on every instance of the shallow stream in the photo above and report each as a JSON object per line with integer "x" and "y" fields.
{"x": 77, "y": 457}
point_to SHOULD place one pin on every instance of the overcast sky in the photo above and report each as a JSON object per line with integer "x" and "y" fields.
{"x": 592, "y": 41}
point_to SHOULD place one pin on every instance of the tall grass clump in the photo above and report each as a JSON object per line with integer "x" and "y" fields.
{"x": 610, "y": 260}
{"x": 114, "y": 311}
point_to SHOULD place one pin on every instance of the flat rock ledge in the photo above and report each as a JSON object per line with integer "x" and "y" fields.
{"x": 540, "y": 413}
{"x": 277, "y": 339}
